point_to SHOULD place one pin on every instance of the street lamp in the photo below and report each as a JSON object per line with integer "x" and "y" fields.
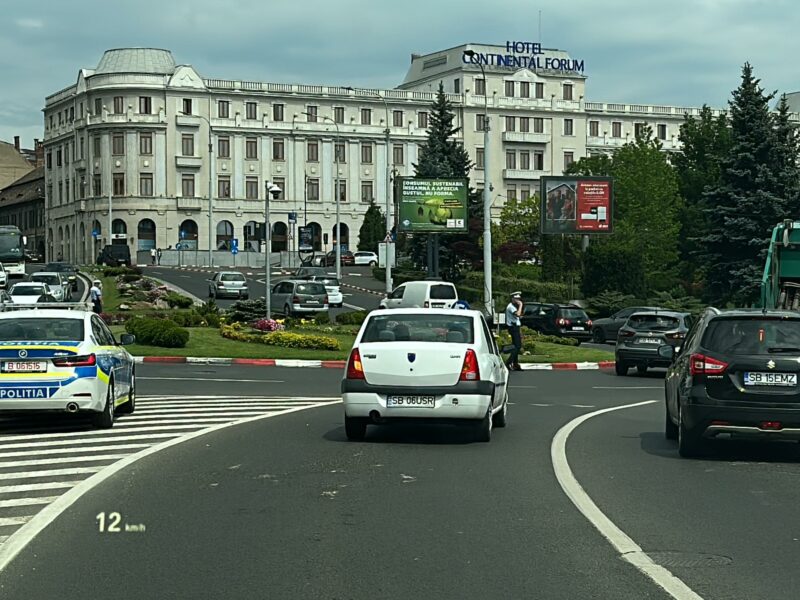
{"x": 389, "y": 211}
{"x": 487, "y": 194}
{"x": 210, "y": 187}
{"x": 335, "y": 194}
{"x": 269, "y": 188}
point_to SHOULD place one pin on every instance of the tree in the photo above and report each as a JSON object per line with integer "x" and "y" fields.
{"x": 786, "y": 151}
{"x": 373, "y": 229}
{"x": 746, "y": 204}
{"x": 519, "y": 221}
{"x": 705, "y": 140}
{"x": 442, "y": 156}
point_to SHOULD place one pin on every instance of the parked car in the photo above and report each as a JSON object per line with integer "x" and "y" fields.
{"x": 348, "y": 259}
{"x": 3, "y": 277}
{"x": 639, "y": 339}
{"x": 65, "y": 269}
{"x": 606, "y": 329}
{"x": 332, "y": 287}
{"x": 312, "y": 260}
{"x": 365, "y": 258}
{"x": 294, "y": 297}
{"x": 115, "y": 255}
{"x": 57, "y": 285}
{"x": 422, "y": 294}
{"x": 562, "y": 320}
{"x": 309, "y": 272}
{"x": 230, "y": 284}
{"x": 735, "y": 374}
{"x": 426, "y": 365}
{"x": 30, "y": 292}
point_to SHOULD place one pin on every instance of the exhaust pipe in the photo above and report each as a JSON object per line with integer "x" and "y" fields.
{"x": 72, "y": 407}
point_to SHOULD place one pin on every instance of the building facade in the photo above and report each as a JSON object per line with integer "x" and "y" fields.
{"x": 22, "y": 204}
{"x": 134, "y": 147}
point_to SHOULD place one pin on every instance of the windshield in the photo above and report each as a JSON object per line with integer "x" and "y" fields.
{"x": 751, "y": 336}
{"x": 27, "y": 290}
{"x": 329, "y": 281}
{"x": 29, "y": 330}
{"x": 653, "y": 323}
{"x": 572, "y": 313}
{"x": 232, "y": 277}
{"x": 59, "y": 267}
{"x": 48, "y": 279}
{"x": 419, "y": 327}
{"x": 10, "y": 245}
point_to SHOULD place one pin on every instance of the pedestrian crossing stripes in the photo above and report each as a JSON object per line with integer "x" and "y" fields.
{"x": 42, "y": 458}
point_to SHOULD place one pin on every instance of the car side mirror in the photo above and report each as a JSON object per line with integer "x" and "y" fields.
{"x": 666, "y": 351}
{"x": 126, "y": 339}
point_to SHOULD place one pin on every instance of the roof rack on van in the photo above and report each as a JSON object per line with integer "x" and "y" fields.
{"x": 714, "y": 310}
{"x": 11, "y": 306}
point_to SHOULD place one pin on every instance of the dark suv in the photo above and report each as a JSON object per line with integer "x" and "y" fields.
{"x": 736, "y": 374}
{"x": 639, "y": 340}
{"x": 606, "y": 329}
{"x": 563, "y": 320}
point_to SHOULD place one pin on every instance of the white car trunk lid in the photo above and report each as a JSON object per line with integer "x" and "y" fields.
{"x": 411, "y": 364}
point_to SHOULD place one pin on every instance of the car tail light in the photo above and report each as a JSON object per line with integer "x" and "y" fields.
{"x": 89, "y": 360}
{"x": 563, "y": 322}
{"x": 675, "y": 336}
{"x": 626, "y": 333}
{"x": 771, "y": 425}
{"x": 470, "y": 370}
{"x": 588, "y": 322}
{"x": 426, "y": 304}
{"x": 355, "y": 370}
{"x": 701, "y": 364}
{"x": 296, "y": 299}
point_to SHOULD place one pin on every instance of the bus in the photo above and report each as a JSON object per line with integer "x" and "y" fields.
{"x": 12, "y": 247}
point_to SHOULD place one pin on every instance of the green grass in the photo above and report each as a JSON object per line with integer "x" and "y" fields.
{"x": 111, "y": 297}
{"x": 558, "y": 353}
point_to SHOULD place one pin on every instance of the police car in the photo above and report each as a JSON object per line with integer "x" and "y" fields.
{"x": 64, "y": 359}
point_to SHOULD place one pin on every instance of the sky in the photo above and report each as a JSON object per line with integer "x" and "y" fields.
{"x": 679, "y": 53}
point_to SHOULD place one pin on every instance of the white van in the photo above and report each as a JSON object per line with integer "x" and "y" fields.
{"x": 422, "y": 294}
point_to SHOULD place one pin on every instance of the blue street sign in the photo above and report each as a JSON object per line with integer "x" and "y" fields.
{"x": 292, "y": 217}
{"x": 95, "y": 234}
{"x": 234, "y": 246}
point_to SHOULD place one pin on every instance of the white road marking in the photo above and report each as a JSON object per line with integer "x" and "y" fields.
{"x": 35, "y": 487}
{"x": 35, "y": 501}
{"x": 56, "y": 461}
{"x": 210, "y": 379}
{"x": 627, "y": 548}
{"x": 534, "y": 404}
{"x": 353, "y": 306}
{"x": 6, "y": 521}
{"x": 582, "y": 405}
{"x": 14, "y": 544}
{"x": 628, "y": 387}
{"x": 51, "y": 473}
{"x": 68, "y": 450}
{"x": 71, "y": 443}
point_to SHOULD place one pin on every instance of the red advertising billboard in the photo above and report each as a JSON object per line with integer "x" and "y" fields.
{"x": 579, "y": 205}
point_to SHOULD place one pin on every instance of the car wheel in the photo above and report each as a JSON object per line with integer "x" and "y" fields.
{"x": 210, "y": 292}
{"x": 641, "y": 369}
{"x": 670, "y": 429}
{"x": 372, "y": 263}
{"x": 355, "y": 428}
{"x": 621, "y": 368}
{"x": 130, "y": 404}
{"x": 598, "y": 336}
{"x": 105, "y": 418}
{"x": 286, "y": 310}
{"x": 483, "y": 430}
{"x": 689, "y": 443}
{"x": 500, "y": 418}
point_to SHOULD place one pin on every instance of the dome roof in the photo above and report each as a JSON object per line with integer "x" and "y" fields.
{"x": 137, "y": 60}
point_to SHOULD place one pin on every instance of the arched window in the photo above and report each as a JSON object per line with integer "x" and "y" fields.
{"x": 146, "y": 234}
{"x": 280, "y": 238}
{"x": 253, "y": 236}
{"x": 224, "y": 235}
{"x": 345, "y": 230}
{"x": 119, "y": 232}
{"x": 187, "y": 234}
{"x": 316, "y": 235}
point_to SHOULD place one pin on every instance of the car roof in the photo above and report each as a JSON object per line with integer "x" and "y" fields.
{"x": 51, "y": 313}
{"x": 425, "y": 311}
{"x": 755, "y": 312}
{"x": 295, "y": 281}
{"x": 56, "y": 273}
{"x": 230, "y": 273}
{"x": 660, "y": 313}
{"x": 28, "y": 284}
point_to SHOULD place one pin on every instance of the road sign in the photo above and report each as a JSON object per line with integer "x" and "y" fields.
{"x": 95, "y": 234}
{"x": 234, "y": 246}
{"x": 292, "y": 217}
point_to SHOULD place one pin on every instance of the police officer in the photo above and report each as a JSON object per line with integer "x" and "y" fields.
{"x": 96, "y": 296}
{"x": 513, "y": 314}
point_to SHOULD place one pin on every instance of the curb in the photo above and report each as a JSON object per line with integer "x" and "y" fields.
{"x": 340, "y": 364}
{"x": 365, "y": 290}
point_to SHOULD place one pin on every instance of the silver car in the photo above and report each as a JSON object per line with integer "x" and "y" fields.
{"x": 228, "y": 284}
{"x": 56, "y": 284}
{"x": 294, "y": 297}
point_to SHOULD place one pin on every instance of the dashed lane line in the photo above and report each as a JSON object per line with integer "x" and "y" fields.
{"x": 628, "y": 550}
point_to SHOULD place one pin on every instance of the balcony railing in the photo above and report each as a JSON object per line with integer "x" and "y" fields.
{"x": 526, "y": 137}
{"x": 526, "y": 174}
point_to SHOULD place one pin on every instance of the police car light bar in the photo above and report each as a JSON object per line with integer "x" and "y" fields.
{"x": 8, "y": 306}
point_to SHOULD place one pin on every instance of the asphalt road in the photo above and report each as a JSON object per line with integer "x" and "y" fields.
{"x": 285, "y": 507}
{"x": 195, "y": 282}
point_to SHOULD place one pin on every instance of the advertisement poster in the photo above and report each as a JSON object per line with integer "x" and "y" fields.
{"x": 304, "y": 239}
{"x": 433, "y": 205}
{"x": 580, "y": 205}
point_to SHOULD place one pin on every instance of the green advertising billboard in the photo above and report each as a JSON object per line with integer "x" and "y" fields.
{"x": 432, "y": 205}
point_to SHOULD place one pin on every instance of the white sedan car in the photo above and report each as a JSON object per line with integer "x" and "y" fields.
{"x": 60, "y": 360}
{"x": 30, "y": 292}
{"x": 365, "y": 258}
{"x": 432, "y": 364}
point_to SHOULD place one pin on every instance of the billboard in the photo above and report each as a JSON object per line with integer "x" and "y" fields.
{"x": 433, "y": 205}
{"x": 304, "y": 237}
{"x": 576, "y": 204}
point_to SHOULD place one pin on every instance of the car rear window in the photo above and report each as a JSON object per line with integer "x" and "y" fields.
{"x": 33, "y": 330}
{"x": 653, "y": 322}
{"x": 311, "y": 289}
{"x": 332, "y": 281}
{"x": 752, "y": 336}
{"x": 232, "y": 277}
{"x": 48, "y": 279}
{"x": 420, "y": 327}
{"x": 28, "y": 290}
{"x": 443, "y": 292}
{"x": 572, "y": 313}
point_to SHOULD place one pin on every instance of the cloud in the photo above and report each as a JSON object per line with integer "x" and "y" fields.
{"x": 27, "y": 23}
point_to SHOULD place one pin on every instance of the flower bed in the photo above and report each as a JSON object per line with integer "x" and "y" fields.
{"x": 285, "y": 339}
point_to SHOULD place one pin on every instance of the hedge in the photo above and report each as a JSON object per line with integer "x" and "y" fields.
{"x": 157, "y": 332}
{"x": 283, "y": 339}
{"x": 532, "y": 291}
{"x": 352, "y": 318}
{"x": 176, "y": 300}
